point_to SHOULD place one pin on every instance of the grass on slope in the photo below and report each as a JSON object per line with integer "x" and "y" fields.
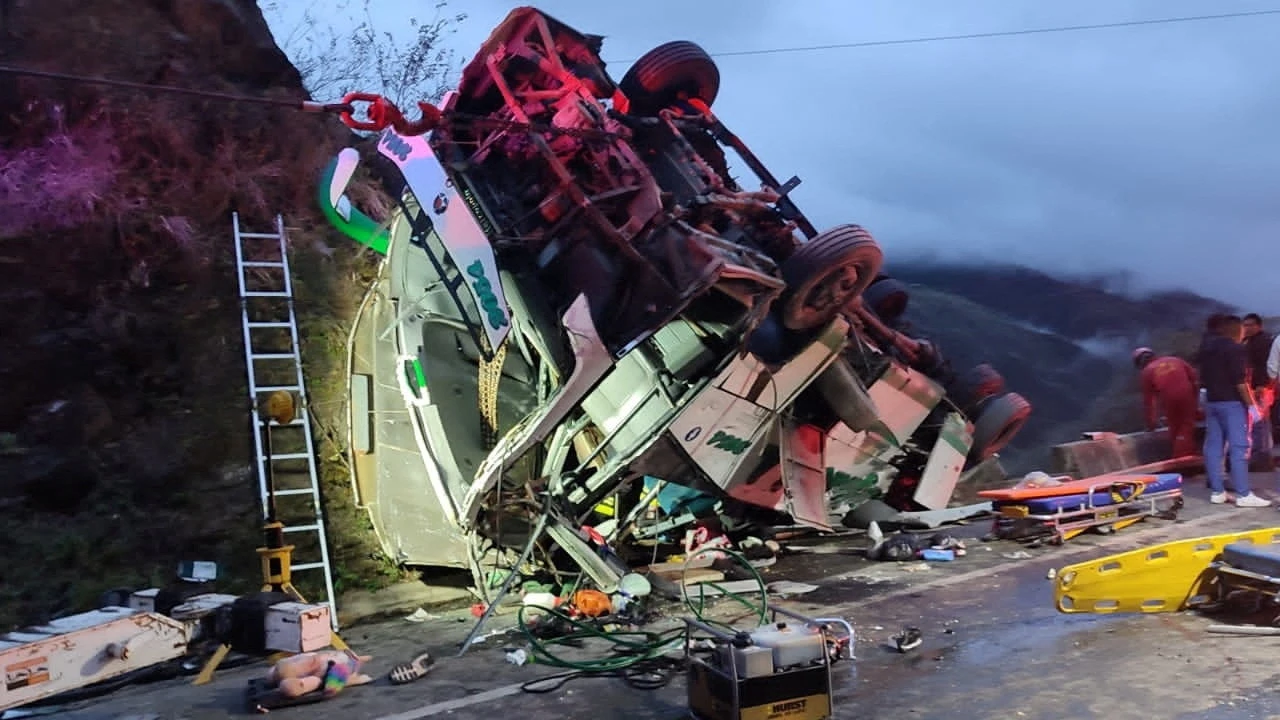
{"x": 124, "y": 427}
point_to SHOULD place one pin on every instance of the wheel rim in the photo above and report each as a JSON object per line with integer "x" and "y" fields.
{"x": 824, "y": 298}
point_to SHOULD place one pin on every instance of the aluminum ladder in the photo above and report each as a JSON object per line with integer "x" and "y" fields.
{"x": 273, "y": 359}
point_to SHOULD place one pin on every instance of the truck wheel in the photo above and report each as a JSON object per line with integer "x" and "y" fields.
{"x": 999, "y": 421}
{"x": 887, "y": 297}
{"x": 847, "y": 397}
{"x": 656, "y": 80}
{"x": 826, "y": 273}
{"x": 976, "y": 385}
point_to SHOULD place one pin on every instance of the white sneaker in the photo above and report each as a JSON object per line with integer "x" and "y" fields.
{"x": 1252, "y": 500}
{"x": 1218, "y": 498}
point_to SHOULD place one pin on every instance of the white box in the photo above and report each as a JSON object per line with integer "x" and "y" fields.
{"x": 144, "y": 600}
{"x": 296, "y": 627}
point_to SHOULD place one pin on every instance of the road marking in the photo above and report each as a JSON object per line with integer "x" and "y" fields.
{"x": 451, "y": 705}
{"x": 1105, "y": 543}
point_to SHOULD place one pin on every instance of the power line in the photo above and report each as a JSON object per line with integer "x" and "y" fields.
{"x": 985, "y": 35}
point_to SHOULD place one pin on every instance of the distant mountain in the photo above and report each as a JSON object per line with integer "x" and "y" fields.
{"x": 1064, "y": 344}
{"x": 1080, "y": 309}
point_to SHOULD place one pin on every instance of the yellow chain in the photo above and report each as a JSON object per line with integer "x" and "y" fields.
{"x": 490, "y": 375}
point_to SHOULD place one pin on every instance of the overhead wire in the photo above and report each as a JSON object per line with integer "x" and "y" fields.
{"x": 986, "y": 35}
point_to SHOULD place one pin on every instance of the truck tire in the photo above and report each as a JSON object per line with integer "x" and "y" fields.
{"x": 656, "y": 80}
{"x": 975, "y": 386}
{"x": 998, "y": 422}
{"x": 847, "y": 397}
{"x": 887, "y": 297}
{"x": 826, "y": 273}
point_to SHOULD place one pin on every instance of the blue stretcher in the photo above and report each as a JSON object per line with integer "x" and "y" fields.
{"x": 1109, "y": 506}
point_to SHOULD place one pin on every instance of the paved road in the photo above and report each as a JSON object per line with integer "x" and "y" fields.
{"x": 994, "y": 648}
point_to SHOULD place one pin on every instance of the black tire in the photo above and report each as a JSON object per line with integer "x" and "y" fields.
{"x": 999, "y": 421}
{"x": 660, "y": 76}
{"x": 818, "y": 278}
{"x": 887, "y": 297}
{"x": 847, "y": 397}
{"x": 975, "y": 386}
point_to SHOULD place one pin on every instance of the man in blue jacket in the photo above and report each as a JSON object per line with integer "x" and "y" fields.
{"x": 1229, "y": 407}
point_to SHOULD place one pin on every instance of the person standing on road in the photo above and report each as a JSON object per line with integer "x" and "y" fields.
{"x": 1173, "y": 382}
{"x": 1228, "y": 410}
{"x": 1257, "y": 343}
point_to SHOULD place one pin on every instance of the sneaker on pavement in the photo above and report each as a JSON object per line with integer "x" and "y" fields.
{"x": 1252, "y": 500}
{"x": 1218, "y": 498}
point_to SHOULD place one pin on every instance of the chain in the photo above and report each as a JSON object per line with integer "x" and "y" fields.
{"x": 490, "y": 376}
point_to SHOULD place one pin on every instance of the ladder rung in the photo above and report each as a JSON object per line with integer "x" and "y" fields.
{"x": 273, "y": 356}
{"x": 288, "y": 456}
{"x": 298, "y": 491}
{"x": 262, "y": 263}
{"x": 264, "y": 293}
{"x": 306, "y": 566}
{"x": 270, "y": 325}
{"x": 275, "y": 388}
{"x": 302, "y": 528}
{"x": 260, "y": 235}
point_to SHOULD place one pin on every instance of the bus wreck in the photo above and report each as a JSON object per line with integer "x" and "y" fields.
{"x": 579, "y": 306}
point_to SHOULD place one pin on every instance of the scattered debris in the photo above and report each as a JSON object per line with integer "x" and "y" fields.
{"x": 909, "y": 639}
{"x": 412, "y": 670}
{"x": 420, "y": 615}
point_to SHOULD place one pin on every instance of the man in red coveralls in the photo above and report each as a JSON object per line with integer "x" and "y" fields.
{"x": 1173, "y": 381}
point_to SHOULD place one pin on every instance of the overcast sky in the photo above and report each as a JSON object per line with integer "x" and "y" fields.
{"x": 1149, "y": 149}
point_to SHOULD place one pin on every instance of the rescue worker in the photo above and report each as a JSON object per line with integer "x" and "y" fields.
{"x": 1228, "y": 412}
{"x": 1257, "y": 344}
{"x": 1172, "y": 381}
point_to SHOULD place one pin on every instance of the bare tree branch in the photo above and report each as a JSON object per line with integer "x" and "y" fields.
{"x": 338, "y": 48}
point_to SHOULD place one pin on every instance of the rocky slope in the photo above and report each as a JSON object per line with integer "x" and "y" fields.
{"x": 124, "y": 444}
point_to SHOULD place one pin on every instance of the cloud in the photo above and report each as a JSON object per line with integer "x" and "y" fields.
{"x": 1148, "y": 149}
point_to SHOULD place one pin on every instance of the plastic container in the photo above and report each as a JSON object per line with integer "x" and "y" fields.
{"x": 791, "y": 644}
{"x": 938, "y": 555}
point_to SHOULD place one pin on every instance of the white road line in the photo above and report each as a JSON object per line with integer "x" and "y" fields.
{"x": 450, "y": 705}
{"x": 1120, "y": 538}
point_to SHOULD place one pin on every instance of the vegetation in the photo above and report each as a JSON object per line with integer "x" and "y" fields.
{"x": 124, "y": 425}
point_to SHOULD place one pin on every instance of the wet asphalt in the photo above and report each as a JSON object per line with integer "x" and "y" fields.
{"x": 994, "y": 647}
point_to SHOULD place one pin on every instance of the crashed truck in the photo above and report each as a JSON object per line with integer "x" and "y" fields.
{"x": 587, "y": 306}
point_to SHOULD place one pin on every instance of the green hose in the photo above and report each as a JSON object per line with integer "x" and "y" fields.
{"x": 630, "y": 647}
{"x": 634, "y": 647}
{"x": 760, "y": 609}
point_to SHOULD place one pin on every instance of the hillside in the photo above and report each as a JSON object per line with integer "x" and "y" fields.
{"x": 124, "y": 427}
{"x": 1077, "y": 308}
{"x": 1062, "y": 343}
{"x": 1058, "y": 375}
